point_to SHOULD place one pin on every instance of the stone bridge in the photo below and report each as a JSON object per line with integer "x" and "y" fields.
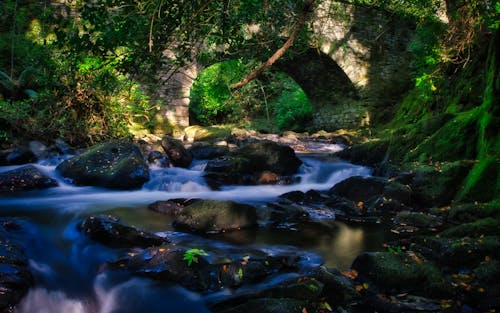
{"x": 357, "y": 67}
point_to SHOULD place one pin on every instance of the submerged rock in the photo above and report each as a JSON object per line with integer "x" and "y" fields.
{"x": 212, "y": 216}
{"x": 260, "y": 162}
{"x": 15, "y": 276}
{"x": 110, "y": 231}
{"x": 25, "y": 178}
{"x": 114, "y": 164}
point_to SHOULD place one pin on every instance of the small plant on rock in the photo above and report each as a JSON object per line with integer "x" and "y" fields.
{"x": 192, "y": 255}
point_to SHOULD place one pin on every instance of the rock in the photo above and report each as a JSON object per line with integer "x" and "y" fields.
{"x": 206, "y": 151}
{"x": 248, "y": 164}
{"x": 17, "y": 156}
{"x": 170, "y": 207}
{"x": 25, "y": 178}
{"x": 359, "y": 188}
{"x": 176, "y": 152}
{"x": 403, "y": 303}
{"x": 397, "y": 273}
{"x": 212, "y": 216}
{"x": 412, "y": 222}
{"x": 109, "y": 231}
{"x": 438, "y": 186}
{"x": 114, "y": 164}
{"x": 271, "y": 305}
{"x": 211, "y": 270}
{"x": 372, "y": 153}
{"x": 457, "y": 253}
{"x": 157, "y": 158}
{"x": 63, "y": 147}
{"x": 15, "y": 276}
{"x": 481, "y": 227}
{"x": 338, "y": 288}
{"x": 469, "y": 212}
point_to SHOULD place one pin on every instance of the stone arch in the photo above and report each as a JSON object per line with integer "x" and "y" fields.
{"x": 359, "y": 66}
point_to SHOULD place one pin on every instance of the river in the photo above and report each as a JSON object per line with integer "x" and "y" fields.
{"x": 68, "y": 267}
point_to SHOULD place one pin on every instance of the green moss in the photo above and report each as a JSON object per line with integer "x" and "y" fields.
{"x": 402, "y": 272}
{"x": 469, "y": 212}
{"x": 487, "y": 226}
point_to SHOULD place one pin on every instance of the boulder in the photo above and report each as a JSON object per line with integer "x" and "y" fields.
{"x": 17, "y": 156}
{"x": 176, "y": 152}
{"x": 212, "y": 216}
{"x": 255, "y": 162}
{"x": 15, "y": 276}
{"x": 25, "y": 178}
{"x": 270, "y": 305}
{"x": 110, "y": 231}
{"x": 396, "y": 273}
{"x": 206, "y": 151}
{"x": 114, "y": 164}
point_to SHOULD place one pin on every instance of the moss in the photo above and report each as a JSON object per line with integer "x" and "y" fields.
{"x": 402, "y": 272}
{"x": 483, "y": 182}
{"x": 212, "y": 133}
{"x": 487, "y": 226}
{"x": 469, "y": 212}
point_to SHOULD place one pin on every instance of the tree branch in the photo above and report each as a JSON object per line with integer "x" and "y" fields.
{"x": 281, "y": 51}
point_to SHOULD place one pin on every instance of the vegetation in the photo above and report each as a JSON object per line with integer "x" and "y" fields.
{"x": 192, "y": 255}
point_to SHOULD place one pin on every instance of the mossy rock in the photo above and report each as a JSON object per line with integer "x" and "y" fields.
{"x": 439, "y": 185}
{"x": 469, "y": 212}
{"x": 487, "y": 274}
{"x": 456, "y": 140}
{"x": 270, "y": 305}
{"x": 458, "y": 253}
{"x": 114, "y": 164}
{"x": 483, "y": 182}
{"x": 25, "y": 178}
{"x": 482, "y": 227}
{"x": 418, "y": 219}
{"x": 212, "y": 216}
{"x": 210, "y": 134}
{"x": 371, "y": 153}
{"x": 402, "y": 272}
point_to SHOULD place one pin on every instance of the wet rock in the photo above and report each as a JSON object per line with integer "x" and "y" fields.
{"x": 17, "y": 156}
{"x": 403, "y": 303}
{"x": 248, "y": 164}
{"x": 457, "y": 253}
{"x": 170, "y": 207}
{"x": 114, "y": 164}
{"x": 338, "y": 288}
{"x": 212, "y": 216}
{"x": 372, "y": 153}
{"x": 15, "y": 277}
{"x": 413, "y": 222}
{"x": 396, "y": 273}
{"x": 469, "y": 212}
{"x": 25, "y": 178}
{"x": 209, "y": 271}
{"x": 206, "y": 151}
{"x": 270, "y": 305}
{"x": 485, "y": 286}
{"x": 110, "y": 231}
{"x": 157, "y": 158}
{"x": 176, "y": 152}
{"x": 359, "y": 188}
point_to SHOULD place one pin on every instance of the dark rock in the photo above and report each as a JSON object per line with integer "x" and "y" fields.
{"x": 403, "y": 303}
{"x": 206, "y": 151}
{"x": 469, "y": 212}
{"x": 17, "y": 156}
{"x": 397, "y": 273}
{"x": 480, "y": 227}
{"x": 270, "y": 305}
{"x": 371, "y": 153}
{"x": 170, "y": 207}
{"x": 114, "y": 164}
{"x": 359, "y": 188}
{"x": 157, "y": 158}
{"x": 25, "y": 178}
{"x": 338, "y": 288}
{"x": 63, "y": 148}
{"x": 15, "y": 277}
{"x": 211, "y": 216}
{"x": 413, "y": 222}
{"x": 255, "y": 162}
{"x": 438, "y": 186}
{"x": 176, "y": 152}
{"x": 109, "y": 231}
{"x": 457, "y": 253}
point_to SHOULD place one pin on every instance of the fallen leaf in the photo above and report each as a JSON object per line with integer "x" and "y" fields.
{"x": 304, "y": 310}
{"x": 366, "y": 285}
{"x": 358, "y": 288}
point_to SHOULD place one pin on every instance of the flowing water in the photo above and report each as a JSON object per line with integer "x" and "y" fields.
{"x": 67, "y": 266}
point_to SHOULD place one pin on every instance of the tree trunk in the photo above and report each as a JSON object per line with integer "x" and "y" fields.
{"x": 281, "y": 51}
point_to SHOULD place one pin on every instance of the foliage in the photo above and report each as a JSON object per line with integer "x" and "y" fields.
{"x": 275, "y": 96}
{"x": 192, "y": 255}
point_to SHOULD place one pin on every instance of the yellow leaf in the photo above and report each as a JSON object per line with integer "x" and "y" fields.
{"x": 366, "y": 285}
{"x": 358, "y": 288}
{"x": 304, "y": 310}
{"x": 481, "y": 290}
